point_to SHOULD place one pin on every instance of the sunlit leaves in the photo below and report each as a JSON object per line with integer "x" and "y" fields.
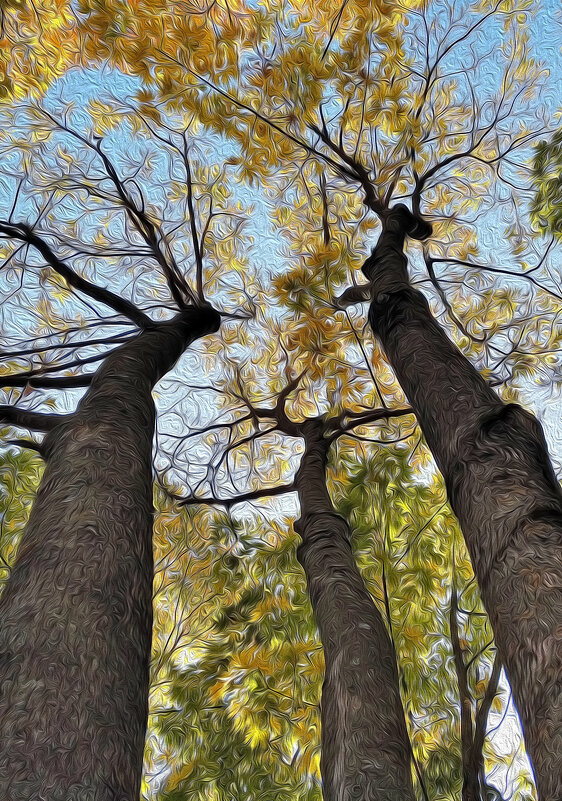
{"x": 20, "y": 472}
{"x": 404, "y": 90}
{"x": 38, "y": 43}
{"x": 232, "y": 718}
{"x": 547, "y": 168}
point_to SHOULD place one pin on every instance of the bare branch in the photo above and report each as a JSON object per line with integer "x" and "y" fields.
{"x": 53, "y": 368}
{"x": 353, "y": 295}
{"x": 193, "y": 225}
{"x": 356, "y": 171}
{"x": 340, "y": 169}
{"x": 279, "y": 413}
{"x": 325, "y": 210}
{"x": 334, "y": 28}
{"x": 347, "y": 421}
{"x": 500, "y": 271}
{"x": 483, "y": 710}
{"x": 465, "y": 696}
{"x": 150, "y": 232}
{"x": 27, "y": 443}
{"x": 444, "y": 300}
{"x": 24, "y": 233}
{"x": 17, "y": 354}
{"x": 266, "y": 492}
{"x": 479, "y": 653}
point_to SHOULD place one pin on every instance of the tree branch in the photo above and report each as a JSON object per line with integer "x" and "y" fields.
{"x": 340, "y": 169}
{"x": 35, "y": 421}
{"x": 483, "y": 710}
{"x": 17, "y": 354}
{"x": 499, "y": 271}
{"x": 150, "y": 233}
{"x": 38, "y": 382}
{"x": 346, "y": 421}
{"x": 465, "y": 696}
{"x": 197, "y": 249}
{"x": 444, "y": 300}
{"x": 279, "y": 413}
{"x": 24, "y": 233}
{"x": 267, "y": 492}
{"x": 356, "y": 170}
{"x": 360, "y": 293}
{"x": 55, "y": 368}
{"x": 27, "y": 443}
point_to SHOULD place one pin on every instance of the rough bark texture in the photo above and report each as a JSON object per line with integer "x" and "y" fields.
{"x": 365, "y": 745}
{"x": 501, "y": 486}
{"x": 76, "y": 615}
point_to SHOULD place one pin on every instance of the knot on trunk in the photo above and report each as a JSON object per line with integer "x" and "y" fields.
{"x": 387, "y": 266}
{"x": 504, "y": 486}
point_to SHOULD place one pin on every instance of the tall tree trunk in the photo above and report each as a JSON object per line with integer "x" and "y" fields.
{"x": 365, "y": 747}
{"x": 76, "y": 615}
{"x": 501, "y": 485}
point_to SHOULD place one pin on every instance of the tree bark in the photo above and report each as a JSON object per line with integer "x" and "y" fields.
{"x": 501, "y": 486}
{"x": 76, "y": 614}
{"x": 365, "y": 753}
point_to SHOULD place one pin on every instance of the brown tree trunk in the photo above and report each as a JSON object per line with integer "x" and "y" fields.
{"x": 365, "y": 747}
{"x": 501, "y": 486}
{"x": 76, "y": 615}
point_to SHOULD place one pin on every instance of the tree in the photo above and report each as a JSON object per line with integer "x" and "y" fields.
{"x": 76, "y": 610}
{"x": 323, "y": 88}
{"x": 365, "y": 751}
{"x": 236, "y": 664}
{"x": 291, "y": 76}
{"x": 500, "y": 484}
{"x": 417, "y": 547}
{"x": 19, "y": 478}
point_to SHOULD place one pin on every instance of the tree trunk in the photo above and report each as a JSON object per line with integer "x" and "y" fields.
{"x": 76, "y": 615}
{"x": 365, "y": 747}
{"x": 501, "y": 486}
